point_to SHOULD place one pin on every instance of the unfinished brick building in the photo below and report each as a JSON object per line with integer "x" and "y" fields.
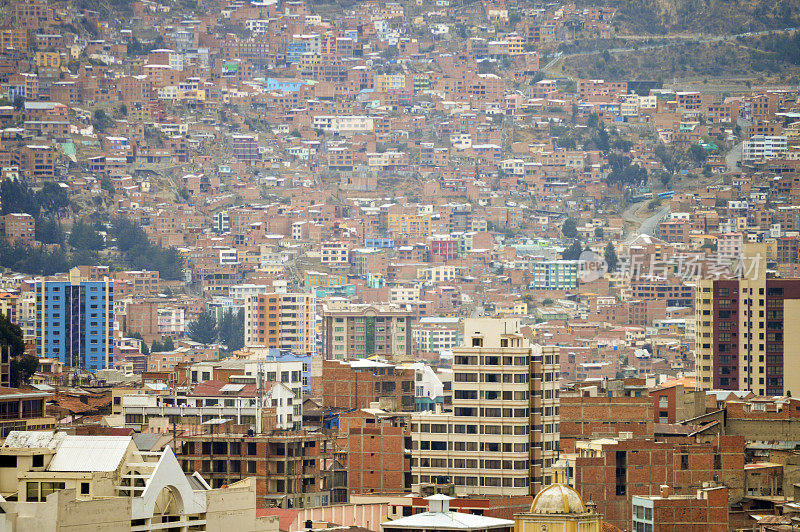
{"x": 585, "y": 417}
{"x": 357, "y": 383}
{"x": 376, "y": 458}
{"x": 291, "y": 469}
{"x": 611, "y": 474}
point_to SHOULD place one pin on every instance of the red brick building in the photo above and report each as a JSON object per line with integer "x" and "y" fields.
{"x": 704, "y": 511}
{"x": 18, "y": 228}
{"x": 612, "y": 475}
{"x": 584, "y": 417}
{"x": 375, "y": 445}
{"x": 291, "y": 469}
{"x": 357, "y": 383}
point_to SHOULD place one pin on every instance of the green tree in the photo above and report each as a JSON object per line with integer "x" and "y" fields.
{"x": 22, "y": 369}
{"x": 33, "y": 260}
{"x": 231, "y": 330}
{"x": 698, "y": 154}
{"x": 157, "y": 347}
{"x": 204, "y": 330}
{"x": 11, "y": 337}
{"x": 622, "y": 145}
{"x": 611, "y": 258}
{"x": 665, "y": 178}
{"x": 12, "y": 344}
{"x": 101, "y": 121}
{"x": 601, "y": 140}
{"x": 144, "y": 349}
{"x": 84, "y": 236}
{"x": 569, "y": 229}
{"x": 16, "y": 197}
{"x": 141, "y": 254}
{"x": 598, "y": 232}
{"x": 169, "y": 345}
{"x": 53, "y": 198}
{"x": 107, "y": 185}
{"x": 573, "y": 252}
{"x": 49, "y": 231}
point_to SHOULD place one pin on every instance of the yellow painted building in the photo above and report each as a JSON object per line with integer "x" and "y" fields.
{"x": 438, "y": 274}
{"x": 387, "y": 82}
{"x": 48, "y": 60}
{"x": 309, "y": 60}
{"x": 414, "y": 225}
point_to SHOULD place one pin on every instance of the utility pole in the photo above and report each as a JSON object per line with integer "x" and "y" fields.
{"x": 259, "y": 383}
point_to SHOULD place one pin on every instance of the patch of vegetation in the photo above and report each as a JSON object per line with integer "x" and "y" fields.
{"x": 690, "y": 60}
{"x": 142, "y": 254}
{"x": 719, "y": 17}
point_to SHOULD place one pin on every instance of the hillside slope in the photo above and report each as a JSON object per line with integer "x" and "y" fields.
{"x": 638, "y": 17}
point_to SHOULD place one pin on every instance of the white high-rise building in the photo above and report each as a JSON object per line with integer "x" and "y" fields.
{"x": 501, "y": 435}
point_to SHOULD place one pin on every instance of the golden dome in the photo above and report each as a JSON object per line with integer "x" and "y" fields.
{"x": 558, "y": 499}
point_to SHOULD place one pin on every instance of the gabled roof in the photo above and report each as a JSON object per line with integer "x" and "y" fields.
{"x": 447, "y": 520}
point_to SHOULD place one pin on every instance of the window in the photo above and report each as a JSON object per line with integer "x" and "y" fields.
{"x": 84, "y": 488}
{"x": 50, "y": 487}
{"x": 32, "y": 492}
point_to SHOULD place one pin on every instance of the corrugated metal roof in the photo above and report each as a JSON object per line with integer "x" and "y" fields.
{"x": 90, "y": 453}
{"x": 146, "y": 441}
{"x": 32, "y": 439}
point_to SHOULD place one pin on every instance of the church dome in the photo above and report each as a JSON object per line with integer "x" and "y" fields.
{"x": 558, "y": 499}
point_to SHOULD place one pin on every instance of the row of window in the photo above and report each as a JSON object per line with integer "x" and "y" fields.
{"x": 495, "y": 447}
{"x": 515, "y": 482}
{"x": 442, "y": 428}
{"x": 491, "y": 395}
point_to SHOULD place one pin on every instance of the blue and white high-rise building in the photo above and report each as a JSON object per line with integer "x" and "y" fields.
{"x": 75, "y": 322}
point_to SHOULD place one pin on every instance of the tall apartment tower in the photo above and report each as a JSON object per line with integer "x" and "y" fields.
{"x": 741, "y": 340}
{"x": 351, "y": 331}
{"x": 75, "y": 322}
{"x": 501, "y": 437}
{"x": 282, "y": 321}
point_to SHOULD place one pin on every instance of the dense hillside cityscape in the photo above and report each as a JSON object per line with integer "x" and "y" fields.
{"x": 399, "y": 266}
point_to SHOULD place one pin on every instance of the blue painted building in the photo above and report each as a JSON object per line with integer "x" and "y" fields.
{"x": 278, "y": 355}
{"x": 379, "y": 243}
{"x": 285, "y": 85}
{"x": 75, "y": 322}
{"x": 294, "y": 50}
{"x": 344, "y": 290}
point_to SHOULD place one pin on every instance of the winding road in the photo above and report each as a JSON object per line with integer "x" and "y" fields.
{"x": 636, "y": 214}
